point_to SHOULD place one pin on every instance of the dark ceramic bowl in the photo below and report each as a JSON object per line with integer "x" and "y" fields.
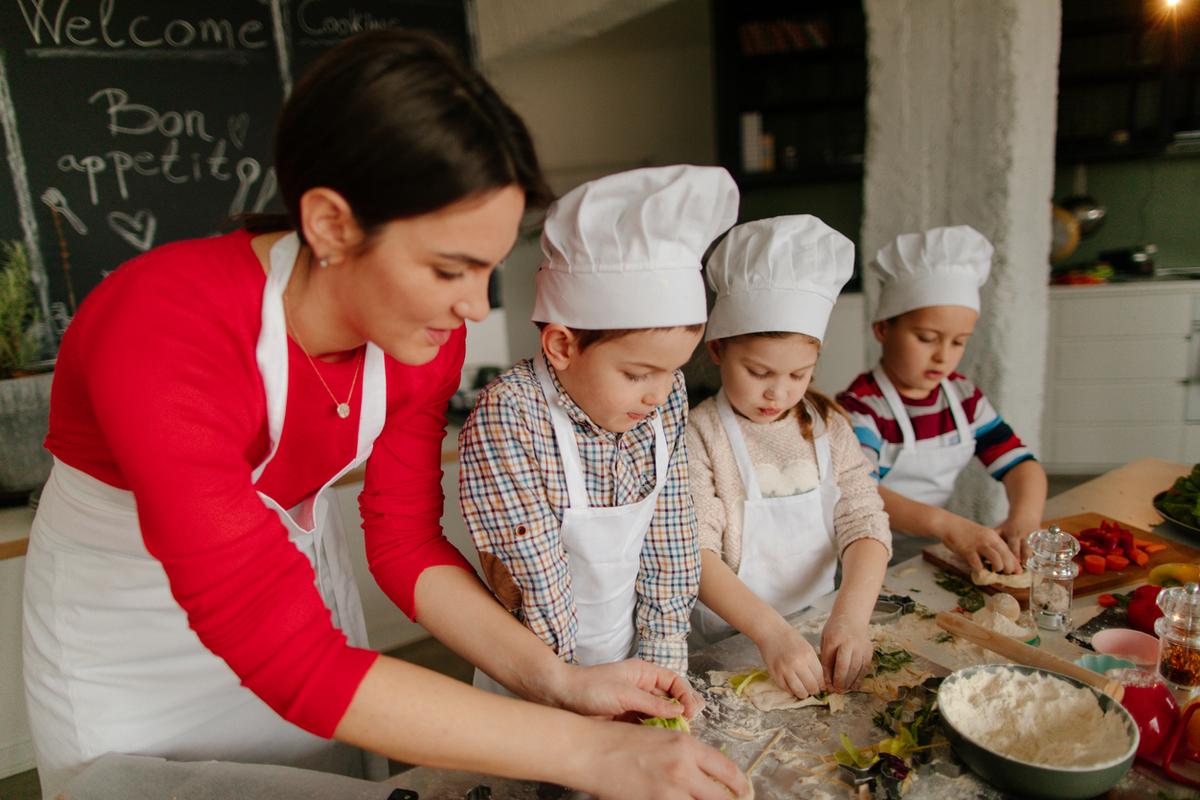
{"x": 1023, "y": 779}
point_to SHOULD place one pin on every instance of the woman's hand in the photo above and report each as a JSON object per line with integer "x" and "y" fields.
{"x": 846, "y": 652}
{"x": 974, "y": 543}
{"x": 624, "y": 687}
{"x": 642, "y": 763}
{"x": 791, "y": 660}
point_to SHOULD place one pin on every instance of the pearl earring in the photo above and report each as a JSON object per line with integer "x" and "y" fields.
{"x": 323, "y": 262}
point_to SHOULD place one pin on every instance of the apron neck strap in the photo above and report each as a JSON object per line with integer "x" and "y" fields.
{"x": 894, "y": 402}
{"x": 956, "y": 409}
{"x": 737, "y": 443}
{"x": 568, "y": 448}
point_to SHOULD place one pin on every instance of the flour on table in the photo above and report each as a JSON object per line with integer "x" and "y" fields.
{"x": 1034, "y": 718}
{"x": 1001, "y": 624}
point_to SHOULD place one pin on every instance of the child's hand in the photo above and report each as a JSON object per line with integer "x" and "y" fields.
{"x": 974, "y": 542}
{"x": 1014, "y": 531}
{"x": 623, "y": 687}
{"x": 792, "y": 661}
{"x": 846, "y": 652}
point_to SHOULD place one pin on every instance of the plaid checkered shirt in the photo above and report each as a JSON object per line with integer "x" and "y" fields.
{"x": 513, "y": 493}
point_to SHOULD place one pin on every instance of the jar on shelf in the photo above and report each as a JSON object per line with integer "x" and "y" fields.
{"x": 1052, "y": 572}
{"x": 1179, "y": 640}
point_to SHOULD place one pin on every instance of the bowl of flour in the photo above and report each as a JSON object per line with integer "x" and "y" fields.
{"x": 1036, "y": 733}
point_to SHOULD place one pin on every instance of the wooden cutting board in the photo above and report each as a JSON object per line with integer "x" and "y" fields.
{"x": 1087, "y": 583}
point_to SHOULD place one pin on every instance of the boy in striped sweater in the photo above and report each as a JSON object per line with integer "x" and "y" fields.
{"x": 920, "y": 422}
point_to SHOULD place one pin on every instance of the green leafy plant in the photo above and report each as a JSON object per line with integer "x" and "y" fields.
{"x": 18, "y": 311}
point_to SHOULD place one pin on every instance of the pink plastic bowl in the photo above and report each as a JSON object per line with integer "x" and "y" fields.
{"x": 1140, "y": 648}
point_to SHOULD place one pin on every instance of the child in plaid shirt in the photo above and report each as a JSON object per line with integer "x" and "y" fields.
{"x": 574, "y": 471}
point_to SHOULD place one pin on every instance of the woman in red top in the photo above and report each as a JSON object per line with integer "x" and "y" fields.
{"x": 188, "y": 592}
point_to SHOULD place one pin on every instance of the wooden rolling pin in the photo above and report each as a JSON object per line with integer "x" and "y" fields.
{"x": 1024, "y": 654}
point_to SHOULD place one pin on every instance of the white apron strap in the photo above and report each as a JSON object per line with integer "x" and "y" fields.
{"x": 960, "y": 416}
{"x": 271, "y": 352}
{"x": 564, "y": 435}
{"x": 909, "y": 437}
{"x": 737, "y": 443}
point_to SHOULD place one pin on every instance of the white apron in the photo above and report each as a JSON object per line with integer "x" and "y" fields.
{"x": 789, "y": 553}
{"x": 110, "y": 662}
{"x": 603, "y": 546}
{"x": 925, "y": 474}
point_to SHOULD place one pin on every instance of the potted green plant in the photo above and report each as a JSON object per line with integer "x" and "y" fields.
{"x": 24, "y": 384}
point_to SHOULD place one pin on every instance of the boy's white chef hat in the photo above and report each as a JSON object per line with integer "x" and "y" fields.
{"x": 779, "y": 274}
{"x": 624, "y": 251}
{"x": 940, "y": 267}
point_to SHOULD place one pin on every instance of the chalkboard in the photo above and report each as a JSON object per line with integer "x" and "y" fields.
{"x": 130, "y": 123}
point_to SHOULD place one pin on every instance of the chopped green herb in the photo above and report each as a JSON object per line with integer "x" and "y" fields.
{"x": 890, "y": 660}
{"x": 674, "y": 723}
{"x": 944, "y": 638}
{"x": 851, "y": 756}
{"x": 969, "y": 596}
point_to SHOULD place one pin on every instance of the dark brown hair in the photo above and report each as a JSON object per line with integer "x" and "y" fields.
{"x": 589, "y": 338}
{"x": 824, "y": 405}
{"x": 399, "y": 126}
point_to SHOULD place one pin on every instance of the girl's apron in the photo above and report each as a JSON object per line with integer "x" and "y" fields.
{"x": 603, "y": 546}
{"x": 925, "y": 474}
{"x": 789, "y": 554}
{"x": 110, "y": 662}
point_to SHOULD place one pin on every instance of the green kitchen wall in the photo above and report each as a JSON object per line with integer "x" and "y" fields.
{"x": 1153, "y": 201}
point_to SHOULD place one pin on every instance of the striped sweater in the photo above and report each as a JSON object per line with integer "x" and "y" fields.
{"x": 996, "y": 445}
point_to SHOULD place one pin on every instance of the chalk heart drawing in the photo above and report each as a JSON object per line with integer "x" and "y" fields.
{"x": 136, "y": 229}
{"x": 238, "y": 125}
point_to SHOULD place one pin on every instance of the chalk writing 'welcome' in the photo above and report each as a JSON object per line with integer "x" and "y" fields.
{"x": 50, "y": 25}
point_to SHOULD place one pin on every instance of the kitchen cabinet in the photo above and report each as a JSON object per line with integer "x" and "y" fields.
{"x": 1121, "y": 366}
{"x": 844, "y": 350}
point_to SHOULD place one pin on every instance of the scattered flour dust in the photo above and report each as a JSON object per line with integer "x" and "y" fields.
{"x": 1034, "y": 718}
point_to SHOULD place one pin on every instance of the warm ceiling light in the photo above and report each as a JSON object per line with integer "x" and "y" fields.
{"x": 1172, "y": 3}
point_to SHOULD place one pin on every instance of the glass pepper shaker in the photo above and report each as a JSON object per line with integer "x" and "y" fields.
{"x": 1179, "y": 640}
{"x": 1052, "y": 577}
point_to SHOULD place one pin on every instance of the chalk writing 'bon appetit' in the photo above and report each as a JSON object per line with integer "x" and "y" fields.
{"x": 51, "y": 24}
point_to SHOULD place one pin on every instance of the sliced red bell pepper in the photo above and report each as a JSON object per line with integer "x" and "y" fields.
{"x": 1107, "y": 601}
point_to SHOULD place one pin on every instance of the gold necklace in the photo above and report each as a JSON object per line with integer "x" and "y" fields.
{"x": 342, "y": 409}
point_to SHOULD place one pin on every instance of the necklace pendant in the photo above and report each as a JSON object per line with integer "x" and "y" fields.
{"x": 343, "y": 410}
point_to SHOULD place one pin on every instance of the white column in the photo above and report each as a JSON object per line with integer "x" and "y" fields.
{"x": 962, "y": 117}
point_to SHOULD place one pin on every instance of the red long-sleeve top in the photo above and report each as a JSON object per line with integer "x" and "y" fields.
{"x": 157, "y": 392}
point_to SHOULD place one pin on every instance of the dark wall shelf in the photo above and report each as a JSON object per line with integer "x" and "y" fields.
{"x": 791, "y": 90}
{"x": 1129, "y": 83}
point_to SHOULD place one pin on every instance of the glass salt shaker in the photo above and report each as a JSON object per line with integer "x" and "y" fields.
{"x": 1052, "y": 572}
{"x": 1179, "y": 640}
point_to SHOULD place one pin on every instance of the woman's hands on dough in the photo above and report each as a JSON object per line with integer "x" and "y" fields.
{"x": 791, "y": 660}
{"x": 624, "y": 687}
{"x": 641, "y": 763}
{"x": 846, "y": 652}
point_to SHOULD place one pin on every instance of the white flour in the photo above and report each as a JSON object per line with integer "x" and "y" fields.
{"x": 1034, "y": 718}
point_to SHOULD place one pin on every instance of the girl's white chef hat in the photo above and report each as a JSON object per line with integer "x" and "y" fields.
{"x": 940, "y": 267}
{"x": 779, "y": 274}
{"x": 624, "y": 251}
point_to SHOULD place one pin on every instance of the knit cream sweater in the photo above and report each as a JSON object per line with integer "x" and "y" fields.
{"x": 783, "y": 460}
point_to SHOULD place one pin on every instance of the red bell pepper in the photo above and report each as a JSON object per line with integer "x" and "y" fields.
{"x": 1143, "y": 610}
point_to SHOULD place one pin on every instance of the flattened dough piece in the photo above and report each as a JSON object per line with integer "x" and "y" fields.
{"x": 985, "y": 577}
{"x": 766, "y": 695}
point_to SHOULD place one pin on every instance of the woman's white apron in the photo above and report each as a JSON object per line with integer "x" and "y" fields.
{"x": 110, "y": 662}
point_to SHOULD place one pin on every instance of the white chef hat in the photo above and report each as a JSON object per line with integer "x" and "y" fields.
{"x": 624, "y": 251}
{"x": 779, "y": 274}
{"x": 940, "y": 267}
